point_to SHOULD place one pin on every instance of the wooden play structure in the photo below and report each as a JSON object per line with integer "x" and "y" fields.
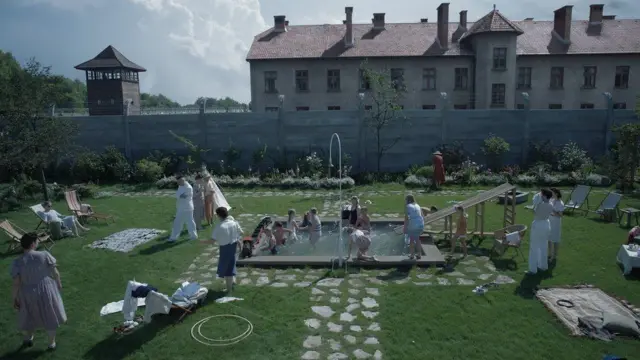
{"x": 478, "y": 203}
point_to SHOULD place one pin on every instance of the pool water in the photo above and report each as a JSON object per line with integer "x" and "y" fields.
{"x": 384, "y": 242}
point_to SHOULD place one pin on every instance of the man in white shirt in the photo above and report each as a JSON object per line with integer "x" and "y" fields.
{"x": 227, "y": 234}
{"x": 184, "y": 211}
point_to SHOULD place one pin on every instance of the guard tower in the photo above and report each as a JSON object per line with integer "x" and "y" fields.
{"x": 112, "y": 81}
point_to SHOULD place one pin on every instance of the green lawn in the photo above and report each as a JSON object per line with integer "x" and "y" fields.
{"x": 447, "y": 322}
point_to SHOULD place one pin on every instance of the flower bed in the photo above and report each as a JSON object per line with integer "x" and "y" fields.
{"x": 303, "y": 183}
{"x": 523, "y": 180}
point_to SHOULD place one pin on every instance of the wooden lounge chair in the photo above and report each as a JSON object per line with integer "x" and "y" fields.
{"x": 579, "y": 197}
{"x": 15, "y": 234}
{"x": 608, "y": 208}
{"x": 83, "y": 212}
{"x": 501, "y": 245}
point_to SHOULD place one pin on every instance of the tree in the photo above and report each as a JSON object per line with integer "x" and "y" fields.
{"x": 384, "y": 95}
{"x": 627, "y": 154}
{"x": 157, "y": 101}
{"x": 224, "y": 103}
{"x": 30, "y": 138}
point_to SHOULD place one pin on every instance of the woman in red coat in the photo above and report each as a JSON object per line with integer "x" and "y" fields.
{"x": 438, "y": 169}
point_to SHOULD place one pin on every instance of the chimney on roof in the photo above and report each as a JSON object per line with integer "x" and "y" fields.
{"x": 595, "y": 14}
{"x": 463, "y": 19}
{"x": 348, "y": 34}
{"x": 443, "y": 25}
{"x": 608, "y": 17}
{"x": 378, "y": 21}
{"x": 280, "y": 23}
{"x": 424, "y": 20}
{"x": 562, "y": 23}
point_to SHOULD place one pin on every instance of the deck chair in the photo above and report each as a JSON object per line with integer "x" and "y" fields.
{"x": 501, "y": 244}
{"x": 579, "y": 197}
{"x": 610, "y": 203}
{"x": 83, "y": 212}
{"x": 15, "y": 234}
{"x": 38, "y": 210}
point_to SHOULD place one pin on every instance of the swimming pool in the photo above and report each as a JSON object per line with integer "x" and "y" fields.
{"x": 388, "y": 247}
{"x": 384, "y": 241}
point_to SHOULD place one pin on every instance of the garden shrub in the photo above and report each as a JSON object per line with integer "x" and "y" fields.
{"x": 424, "y": 171}
{"x": 489, "y": 179}
{"x": 494, "y": 148}
{"x": 597, "y": 180}
{"x": 414, "y": 181}
{"x": 147, "y": 171}
{"x": 88, "y": 166}
{"x": 116, "y": 166}
{"x": 310, "y": 165}
{"x": 573, "y": 158}
{"x": 525, "y": 180}
{"x": 286, "y": 182}
{"x": 543, "y": 152}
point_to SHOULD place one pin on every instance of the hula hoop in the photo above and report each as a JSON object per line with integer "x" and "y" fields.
{"x": 565, "y": 303}
{"x": 196, "y": 332}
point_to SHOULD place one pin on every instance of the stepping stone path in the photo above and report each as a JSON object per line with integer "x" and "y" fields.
{"x": 343, "y": 316}
{"x": 351, "y": 321}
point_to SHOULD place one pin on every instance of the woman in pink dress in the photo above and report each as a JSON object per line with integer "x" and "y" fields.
{"x": 36, "y": 292}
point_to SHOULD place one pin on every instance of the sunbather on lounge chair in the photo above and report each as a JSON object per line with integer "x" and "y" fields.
{"x": 67, "y": 222}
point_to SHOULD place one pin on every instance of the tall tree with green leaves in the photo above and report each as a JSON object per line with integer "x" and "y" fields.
{"x": 383, "y": 91}
{"x": 30, "y": 138}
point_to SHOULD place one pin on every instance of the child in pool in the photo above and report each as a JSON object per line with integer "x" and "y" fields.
{"x": 280, "y": 233}
{"x": 270, "y": 243}
{"x": 461, "y": 231}
{"x": 292, "y": 225}
{"x": 314, "y": 226}
{"x": 364, "y": 222}
{"x": 362, "y": 242}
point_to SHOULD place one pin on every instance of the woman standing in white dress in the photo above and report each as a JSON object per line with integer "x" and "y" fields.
{"x": 556, "y": 223}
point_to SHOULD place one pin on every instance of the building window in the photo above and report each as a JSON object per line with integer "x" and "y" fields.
{"x": 428, "y": 107}
{"x": 302, "y": 108}
{"x": 622, "y": 77}
{"x": 557, "y": 77}
{"x": 520, "y": 106}
{"x": 429, "y": 79}
{"x": 333, "y": 107}
{"x": 117, "y": 75}
{"x": 270, "y": 78}
{"x": 499, "y": 58}
{"x": 89, "y": 75}
{"x": 555, "y": 106}
{"x": 113, "y": 101}
{"x": 589, "y": 77}
{"x": 461, "y": 78}
{"x": 368, "y": 107}
{"x": 498, "y": 95}
{"x": 460, "y": 106}
{"x": 135, "y": 76}
{"x": 620, "y": 106}
{"x": 271, "y": 109}
{"x": 365, "y": 83}
{"x": 397, "y": 78}
{"x": 99, "y": 102}
{"x": 586, "y": 106}
{"x": 302, "y": 80}
{"x": 333, "y": 80}
{"x": 524, "y": 78}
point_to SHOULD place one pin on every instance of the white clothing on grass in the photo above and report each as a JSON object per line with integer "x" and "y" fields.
{"x": 227, "y": 232}
{"x": 556, "y": 222}
{"x": 539, "y": 237}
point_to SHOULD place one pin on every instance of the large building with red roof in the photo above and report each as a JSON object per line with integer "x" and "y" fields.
{"x": 491, "y": 63}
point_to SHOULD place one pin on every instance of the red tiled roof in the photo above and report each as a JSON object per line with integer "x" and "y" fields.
{"x": 492, "y": 22}
{"x": 419, "y": 39}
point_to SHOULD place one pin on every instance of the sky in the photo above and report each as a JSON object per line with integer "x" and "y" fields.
{"x": 194, "y": 48}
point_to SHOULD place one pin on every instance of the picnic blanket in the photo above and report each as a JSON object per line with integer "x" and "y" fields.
{"x": 126, "y": 240}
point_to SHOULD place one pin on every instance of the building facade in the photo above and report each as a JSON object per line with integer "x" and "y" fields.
{"x": 492, "y": 63}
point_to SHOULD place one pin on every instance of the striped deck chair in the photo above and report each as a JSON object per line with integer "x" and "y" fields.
{"x": 15, "y": 234}
{"x": 83, "y": 212}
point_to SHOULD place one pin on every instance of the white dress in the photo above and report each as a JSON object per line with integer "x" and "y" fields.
{"x": 556, "y": 222}
{"x": 293, "y": 237}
